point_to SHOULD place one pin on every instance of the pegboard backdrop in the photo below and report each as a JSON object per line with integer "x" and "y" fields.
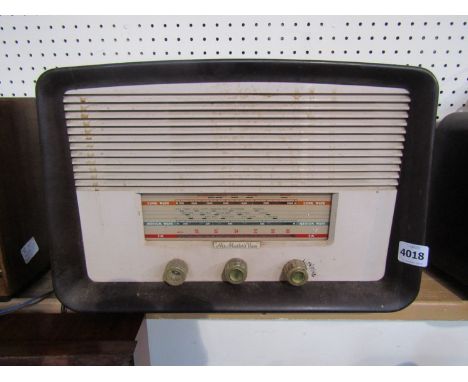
{"x": 30, "y": 45}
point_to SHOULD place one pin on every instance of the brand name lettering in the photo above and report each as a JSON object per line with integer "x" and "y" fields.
{"x": 236, "y": 244}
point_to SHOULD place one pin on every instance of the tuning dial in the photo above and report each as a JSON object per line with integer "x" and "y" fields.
{"x": 295, "y": 272}
{"x": 175, "y": 272}
{"x": 235, "y": 271}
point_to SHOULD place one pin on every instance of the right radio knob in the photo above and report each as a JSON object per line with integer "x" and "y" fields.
{"x": 295, "y": 272}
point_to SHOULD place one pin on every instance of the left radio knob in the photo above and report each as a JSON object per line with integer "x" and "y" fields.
{"x": 175, "y": 272}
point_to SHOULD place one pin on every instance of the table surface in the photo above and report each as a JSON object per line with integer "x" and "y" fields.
{"x": 436, "y": 301}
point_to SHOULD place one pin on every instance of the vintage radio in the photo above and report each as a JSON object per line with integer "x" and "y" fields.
{"x": 448, "y": 207}
{"x": 23, "y": 236}
{"x": 236, "y": 185}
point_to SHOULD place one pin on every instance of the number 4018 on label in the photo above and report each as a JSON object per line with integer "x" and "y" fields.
{"x": 413, "y": 254}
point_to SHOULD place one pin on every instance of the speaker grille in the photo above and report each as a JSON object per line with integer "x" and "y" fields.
{"x": 236, "y": 137}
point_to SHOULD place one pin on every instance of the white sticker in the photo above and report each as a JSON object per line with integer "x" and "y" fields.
{"x": 417, "y": 255}
{"x": 29, "y": 250}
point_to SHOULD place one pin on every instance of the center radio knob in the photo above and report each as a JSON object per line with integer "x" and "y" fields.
{"x": 235, "y": 271}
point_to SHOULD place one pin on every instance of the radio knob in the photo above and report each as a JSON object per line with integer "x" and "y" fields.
{"x": 295, "y": 272}
{"x": 175, "y": 272}
{"x": 235, "y": 271}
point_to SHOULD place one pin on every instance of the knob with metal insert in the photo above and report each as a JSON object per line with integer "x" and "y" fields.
{"x": 295, "y": 272}
{"x": 235, "y": 271}
{"x": 175, "y": 272}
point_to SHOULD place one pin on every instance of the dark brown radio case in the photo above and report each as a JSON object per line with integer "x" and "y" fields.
{"x": 21, "y": 196}
{"x": 76, "y": 290}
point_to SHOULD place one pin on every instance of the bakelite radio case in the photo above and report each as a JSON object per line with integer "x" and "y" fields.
{"x": 22, "y": 214}
{"x": 448, "y": 206}
{"x": 76, "y": 289}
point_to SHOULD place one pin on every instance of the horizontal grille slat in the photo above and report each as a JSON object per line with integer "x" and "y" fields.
{"x": 245, "y": 131}
{"x": 237, "y": 114}
{"x": 223, "y": 106}
{"x": 171, "y": 190}
{"x": 257, "y": 123}
{"x": 236, "y": 137}
{"x": 241, "y": 88}
{"x": 205, "y": 147}
{"x": 234, "y": 153}
{"x": 235, "y": 175}
{"x": 268, "y": 98}
{"x": 270, "y": 161}
{"x": 245, "y": 168}
{"x": 238, "y": 182}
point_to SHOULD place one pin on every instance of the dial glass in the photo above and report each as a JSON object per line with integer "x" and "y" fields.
{"x": 237, "y": 216}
